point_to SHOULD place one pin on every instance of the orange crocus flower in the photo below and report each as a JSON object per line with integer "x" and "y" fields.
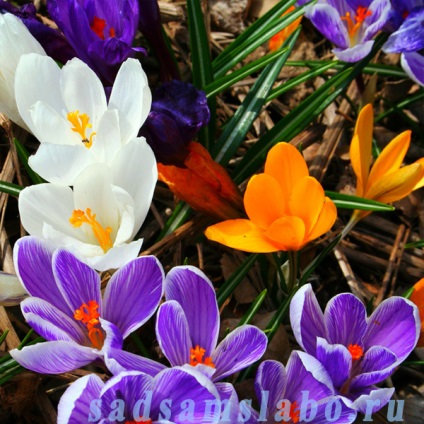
{"x": 417, "y": 297}
{"x": 286, "y": 207}
{"x": 386, "y": 181}
{"x": 277, "y": 40}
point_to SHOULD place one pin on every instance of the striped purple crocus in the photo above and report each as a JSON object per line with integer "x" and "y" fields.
{"x": 357, "y": 351}
{"x": 66, "y": 307}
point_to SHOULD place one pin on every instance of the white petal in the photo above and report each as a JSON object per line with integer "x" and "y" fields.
{"x": 11, "y": 290}
{"x": 126, "y": 231}
{"x": 132, "y": 98}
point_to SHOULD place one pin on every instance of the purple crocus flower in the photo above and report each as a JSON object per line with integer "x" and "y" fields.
{"x": 178, "y": 112}
{"x": 357, "y": 352}
{"x": 187, "y": 328}
{"x": 100, "y": 31}
{"x": 52, "y": 40}
{"x": 66, "y": 307}
{"x": 300, "y": 392}
{"x": 175, "y": 395}
{"x": 349, "y": 24}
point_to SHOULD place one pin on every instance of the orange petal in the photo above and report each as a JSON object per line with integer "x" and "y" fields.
{"x": 241, "y": 234}
{"x": 417, "y": 297}
{"x": 306, "y": 201}
{"x": 390, "y": 159}
{"x": 285, "y": 163}
{"x": 325, "y": 220}
{"x": 277, "y": 40}
{"x": 421, "y": 181}
{"x": 396, "y": 185}
{"x": 264, "y": 200}
{"x": 288, "y": 233}
{"x": 360, "y": 147}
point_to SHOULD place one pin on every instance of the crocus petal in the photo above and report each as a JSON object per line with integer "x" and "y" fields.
{"x": 360, "y": 147}
{"x": 417, "y": 297}
{"x": 307, "y": 319}
{"x": 375, "y": 397}
{"x": 264, "y": 200}
{"x": 345, "y": 320}
{"x": 420, "y": 183}
{"x": 54, "y": 357}
{"x": 118, "y": 360}
{"x": 32, "y": 257}
{"x": 241, "y": 348}
{"x": 378, "y": 363}
{"x": 325, "y": 221}
{"x": 113, "y": 339}
{"x": 51, "y": 323}
{"x": 391, "y": 158}
{"x": 288, "y": 233}
{"x": 133, "y": 294}
{"x": 74, "y": 405}
{"x": 12, "y": 292}
{"x": 413, "y": 64}
{"x": 336, "y": 359}
{"x": 173, "y": 334}
{"x": 195, "y": 293}
{"x": 395, "y": 324}
{"x": 286, "y": 164}
{"x": 355, "y": 53}
{"x": 77, "y": 282}
{"x": 241, "y": 234}
{"x": 229, "y": 401}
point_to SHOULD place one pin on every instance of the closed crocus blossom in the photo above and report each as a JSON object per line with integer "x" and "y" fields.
{"x": 357, "y": 351}
{"x": 96, "y": 220}
{"x": 417, "y": 296}
{"x": 350, "y": 25}
{"x": 66, "y": 307}
{"x": 286, "y": 207}
{"x": 12, "y": 292}
{"x": 386, "y": 180}
{"x": 100, "y": 31}
{"x": 67, "y": 111}
{"x": 300, "y": 392}
{"x": 15, "y": 41}
{"x": 176, "y": 395}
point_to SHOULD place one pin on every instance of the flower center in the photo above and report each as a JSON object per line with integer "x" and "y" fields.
{"x": 148, "y": 421}
{"x": 98, "y": 27}
{"x": 354, "y": 24}
{"x": 294, "y": 412}
{"x": 196, "y": 357}
{"x": 80, "y": 122}
{"x": 356, "y": 351}
{"x": 102, "y": 235}
{"x": 88, "y": 315}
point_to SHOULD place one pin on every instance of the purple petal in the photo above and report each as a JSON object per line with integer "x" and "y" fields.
{"x": 380, "y": 13}
{"x": 396, "y": 325}
{"x": 118, "y": 360}
{"x": 195, "y": 293}
{"x": 33, "y": 262}
{"x": 378, "y": 363}
{"x": 230, "y": 403}
{"x": 54, "y": 357}
{"x": 307, "y": 319}
{"x": 173, "y": 333}
{"x": 413, "y": 65}
{"x": 345, "y": 415}
{"x": 373, "y": 396}
{"x": 133, "y": 294}
{"x": 345, "y": 320}
{"x": 271, "y": 377}
{"x": 74, "y": 405}
{"x": 354, "y": 54}
{"x": 327, "y": 21}
{"x": 336, "y": 359}
{"x": 77, "y": 282}
{"x": 51, "y": 323}
{"x": 113, "y": 339}
{"x": 241, "y": 348}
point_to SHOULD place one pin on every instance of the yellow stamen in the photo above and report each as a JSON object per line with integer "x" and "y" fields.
{"x": 102, "y": 235}
{"x": 354, "y": 24}
{"x": 88, "y": 315}
{"x": 196, "y": 357}
{"x": 356, "y": 351}
{"x": 80, "y": 122}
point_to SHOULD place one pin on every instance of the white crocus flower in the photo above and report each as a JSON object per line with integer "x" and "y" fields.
{"x": 12, "y": 292}
{"x": 96, "y": 220}
{"x": 67, "y": 110}
{"x": 15, "y": 41}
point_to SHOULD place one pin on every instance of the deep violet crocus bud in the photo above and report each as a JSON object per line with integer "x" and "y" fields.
{"x": 100, "y": 31}
{"x": 52, "y": 40}
{"x": 178, "y": 112}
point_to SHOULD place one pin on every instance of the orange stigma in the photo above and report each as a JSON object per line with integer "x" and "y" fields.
{"x": 80, "y": 122}
{"x": 294, "y": 412}
{"x": 354, "y": 24}
{"x": 88, "y": 315}
{"x": 98, "y": 26}
{"x": 196, "y": 357}
{"x": 356, "y": 351}
{"x": 102, "y": 235}
{"x": 148, "y": 421}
